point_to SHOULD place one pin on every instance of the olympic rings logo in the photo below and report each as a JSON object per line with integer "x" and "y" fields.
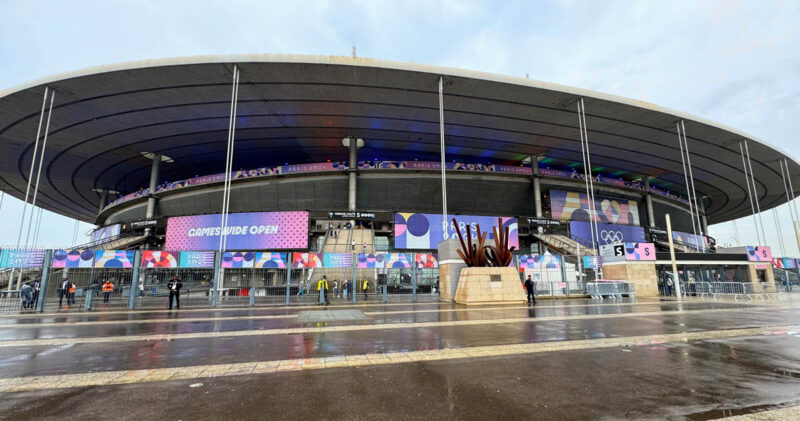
{"x": 611, "y": 237}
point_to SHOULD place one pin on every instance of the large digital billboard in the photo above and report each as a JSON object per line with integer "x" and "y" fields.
{"x": 246, "y": 231}
{"x": 106, "y": 232}
{"x": 608, "y": 233}
{"x": 692, "y": 240}
{"x": 10, "y": 258}
{"x": 424, "y": 230}
{"x": 573, "y": 206}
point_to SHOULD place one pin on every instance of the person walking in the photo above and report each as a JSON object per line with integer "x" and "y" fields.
{"x": 352, "y": 245}
{"x": 529, "y": 285}
{"x": 322, "y": 287}
{"x": 141, "y": 289}
{"x": 37, "y": 286}
{"x": 345, "y": 287}
{"x": 365, "y": 288}
{"x": 63, "y": 292}
{"x": 301, "y": 289}
{"x": 108, "y": 288}
{"x": 174, "y": 286}
{"x": 335, "y": 288}
{"x": 26, "y": 295}
{"x": 364, "y": 248}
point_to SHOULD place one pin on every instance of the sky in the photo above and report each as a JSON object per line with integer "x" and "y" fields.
{"x": 734, "y": 62}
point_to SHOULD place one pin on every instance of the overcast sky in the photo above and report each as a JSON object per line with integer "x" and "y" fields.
{"x": 735, "y": 62}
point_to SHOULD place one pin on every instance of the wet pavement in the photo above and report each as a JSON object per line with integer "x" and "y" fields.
{"x": 573, "y": 359}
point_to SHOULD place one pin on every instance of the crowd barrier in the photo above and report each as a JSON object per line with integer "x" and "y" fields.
{"x": 610, "y": 288}
{"x": 714, "y": 290}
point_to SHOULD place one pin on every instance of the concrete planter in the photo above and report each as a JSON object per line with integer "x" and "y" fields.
{"x": 489, "y": 285}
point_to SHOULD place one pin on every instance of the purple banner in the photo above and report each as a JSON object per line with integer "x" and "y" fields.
{"x": 247, "y": 231}
{"x": 424, "y": 230}
{"x": 608, "y": 233}
{"x": 10, "y": 258}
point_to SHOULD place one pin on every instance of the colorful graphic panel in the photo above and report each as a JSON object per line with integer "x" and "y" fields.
{"x": 789, "y": 263}
{"x": 608, "y": 233}
{"x": 106, "y": 232}
{"x": 640, "y": 251}
{"x": 21, "y": 258}
{"x": 538, "y": 261}
{"x": 397, "y": 261}
{"x": 691, "y": 240}
{"x": 759, "y": 254}
{"x": 197, "y": 259}
{"x": 270, "y": 260}
{"x": 377, "y": 260}
{"x": 249, "y": 231}
{"x": 238, "y": 259}
{"x": 73, "y": 258}
{"x": 589, "y": 262}
{"x": 427, "y": 261}
{"x": 574, "y": 206}
{"x": 113, "y": 258}
{"x": 306, "y": 260}
{"x": 337, "y": 260}
{"x": 424, "y": 230}
{"x": 159, "y": 259}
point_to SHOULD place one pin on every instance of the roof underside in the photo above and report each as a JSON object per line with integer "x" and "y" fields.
{"x": 296, "y": 109}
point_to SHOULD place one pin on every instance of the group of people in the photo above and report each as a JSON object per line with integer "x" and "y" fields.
{"x": 323, "y": 286}
{"x": 66, "y": 289}
{"x": 29, "y": 293}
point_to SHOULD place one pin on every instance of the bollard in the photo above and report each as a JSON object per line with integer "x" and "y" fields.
{"x": 137, "y": 259}
{"x": 252, "y": 296}
{"x": 88, "y": 301}
{"x": 48, "y": 258}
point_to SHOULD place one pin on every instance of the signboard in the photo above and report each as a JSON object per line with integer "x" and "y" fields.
{"x": 113, "y": 259}
{"x": 608, "y": 233}
{"x": 73, "y": 258}
{"x": 267, "y": 260}
{"x": 538, "y": 261}
{"x": 640, "y": 251}
{"x": 21, "y": 258}
{"x": 337, "y": 260}
{"x": 759, "y": 254}
{"x": 574, "y": 206}
{"x": 397, "y": 261}
{"x": 248, "y": 231}
{"x": 657, "y": 231}
{"x": 306, "y": 260}
{"x": 142, "y": 224}
{"x": 106, "y": 232}
{"x": 424, "y": 230}
{"x": 542, "y": 222}
{"x": 238, "y": 260}
{"x": 196, "y": 259}
{"x": 377, "y": 260}
{"x": 589, "y": 262}
{"x": 427, "y": 261}
{"x": 691, "y": 240}
{"x": 358, "y": 215}
{"x": 159, "y": 259}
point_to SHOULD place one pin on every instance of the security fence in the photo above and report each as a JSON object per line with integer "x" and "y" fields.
{"x": 557, "y": 275}
{"x": 82, "y": 280}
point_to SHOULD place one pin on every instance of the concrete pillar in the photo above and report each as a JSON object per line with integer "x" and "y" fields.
{"x": 351, "y": 187}
{"x": 103, "y": 200}
{"x": 648, "y": 200}
{"x": 151, "y": 201}
{"x": 703, "y": 219}
{"x": 537, "y": 189}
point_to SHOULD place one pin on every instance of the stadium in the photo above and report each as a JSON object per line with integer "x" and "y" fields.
{"x": 336, "y": 170}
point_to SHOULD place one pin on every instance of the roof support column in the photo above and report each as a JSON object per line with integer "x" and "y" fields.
{"x": 537, "y": 189}
{"x": 752, "y": 193}
{"x": 103, "y": 199}
{"x": 648, "y": 200}
{"x": 691, "y": 178}
{"x": 589, "y": 180}
{"x": 352, "y": 170}
{"x": 445, "y": 231}
{"x": 154, "y": 173}
{"x": 686, "y": 179}
{"x": 787, "y": 187}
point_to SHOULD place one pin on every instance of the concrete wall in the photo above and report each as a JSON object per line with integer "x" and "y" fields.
{"x": 642, "y": 274}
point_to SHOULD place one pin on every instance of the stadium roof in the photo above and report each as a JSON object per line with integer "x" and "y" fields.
{"x": 297, "y": 108}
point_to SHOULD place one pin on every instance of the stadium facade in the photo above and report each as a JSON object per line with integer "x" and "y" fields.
{"x": 140, "y": 149}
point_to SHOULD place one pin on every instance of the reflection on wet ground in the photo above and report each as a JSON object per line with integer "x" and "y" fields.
{"x": 724, "y": 366}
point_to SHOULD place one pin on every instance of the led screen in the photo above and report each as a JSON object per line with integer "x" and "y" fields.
{"x": 424, "y": 230}
{"x": 246, "y": 231}
{"x": 573, "y": 206}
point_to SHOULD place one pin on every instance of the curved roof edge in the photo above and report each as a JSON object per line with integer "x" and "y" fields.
{"x": 386, "y": 64}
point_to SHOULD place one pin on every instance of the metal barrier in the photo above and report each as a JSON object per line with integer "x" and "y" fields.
{"x": 717, "y": 289}
{"x": 614, "y": 290}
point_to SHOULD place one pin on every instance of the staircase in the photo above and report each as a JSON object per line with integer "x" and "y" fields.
{"x": 564, "y": 244}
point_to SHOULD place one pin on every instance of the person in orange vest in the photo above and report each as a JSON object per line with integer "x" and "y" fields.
{"x": 108, "y": 288}
{"x": 71, "y": 294}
